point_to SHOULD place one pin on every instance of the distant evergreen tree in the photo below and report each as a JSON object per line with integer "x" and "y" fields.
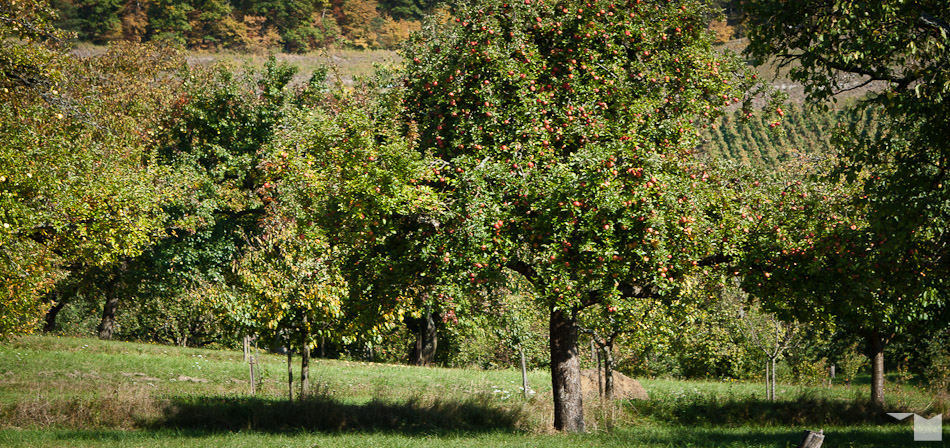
{"x": 98, "y": 20}
{"x": 408, "y": 9}
{"x": 168, "y": 20}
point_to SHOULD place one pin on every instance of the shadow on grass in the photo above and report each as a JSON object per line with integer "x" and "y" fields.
{"x": 733, "y": 411}
{"x": 413, "y": 416}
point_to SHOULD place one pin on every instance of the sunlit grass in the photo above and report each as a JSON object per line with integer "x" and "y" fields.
{"x": 57, "y": 391}
{"x": 344, "y": 64}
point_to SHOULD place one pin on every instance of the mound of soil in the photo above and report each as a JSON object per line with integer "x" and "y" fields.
{"x": 625, "y": 388}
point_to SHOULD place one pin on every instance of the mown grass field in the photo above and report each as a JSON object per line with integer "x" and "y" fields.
{"x": 345, "y": 65}
{"x": 83, "y": 392}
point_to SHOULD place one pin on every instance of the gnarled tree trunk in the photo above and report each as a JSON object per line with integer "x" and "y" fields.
{"x": 565, "y": 373}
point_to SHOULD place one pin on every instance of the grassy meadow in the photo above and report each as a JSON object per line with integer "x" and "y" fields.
{"x": 58, "y": 391}
{"x": 345, "y": 64}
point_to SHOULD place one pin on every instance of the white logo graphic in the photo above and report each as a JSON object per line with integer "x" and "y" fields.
{"x": 925, "y": 429}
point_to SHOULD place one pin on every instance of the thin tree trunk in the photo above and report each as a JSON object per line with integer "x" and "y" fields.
{"x": 768, "y": 380}
{"x": 290, "y": 375}
{"x": 524, "y": 371}
{"x": 323, "y": 346}
{"x": 250, "y": 366}
{"x": 565, "y": 373}
{"x": 600, "y": 381}
{"x": 431, "y": 340}
{"x": 773, "y": 379}
{"x": 609, "y": 371}
{"x": 594, "y": 354}
{"x": 876, "y": 345}
{"x": 305, "y": 359}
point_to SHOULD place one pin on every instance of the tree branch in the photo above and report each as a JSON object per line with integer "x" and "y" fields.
{"x": 934, "y": 22}
{"x": 523, "y": 268}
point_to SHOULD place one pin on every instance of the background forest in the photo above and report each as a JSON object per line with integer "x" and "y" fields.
{"x": 292, "y": 26}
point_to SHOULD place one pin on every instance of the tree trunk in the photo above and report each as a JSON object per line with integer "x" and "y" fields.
{"x": 107, "y": 324}
{"x": 427, "y": 340}
{"x": 768, "y": 380}
{"x": 253, "y": 380}
{"x": 876, "y": 346}
{"x": 565, "y": 373}
{"x": 773, "y": 379}
{"x": 600, "y": 381}
{"x": 609, "y": 370}
{"x": 524, "y": 372}
{"x": 305, "y": 359}
{"x": 112, "y": 291}
{"x": 290, "y": 374}
{"x": 50, "y": 324}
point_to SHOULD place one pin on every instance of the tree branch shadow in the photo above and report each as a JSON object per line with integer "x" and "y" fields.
{"x": 738, "y": 411}
{"x": 322, "y": 413}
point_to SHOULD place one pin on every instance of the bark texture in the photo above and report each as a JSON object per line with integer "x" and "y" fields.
{"x": 811, "y": 439}
{"x": 565, "y": 373}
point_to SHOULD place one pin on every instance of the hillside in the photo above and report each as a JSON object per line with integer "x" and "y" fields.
{"x": 259, "y": 25}
{"x": 265, "y": 25}
{"x": 803, "y": 132}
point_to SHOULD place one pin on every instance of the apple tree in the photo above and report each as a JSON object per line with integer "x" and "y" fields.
{"x": 814, "y": 256}
{"x": 898, "y": 245}
{"x": 76, "y": 190}
{"x": 334, "y": 177}
{"x": 562, "y": 137}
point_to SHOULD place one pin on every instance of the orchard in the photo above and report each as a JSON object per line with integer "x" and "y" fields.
{"x": 529, "y": 164}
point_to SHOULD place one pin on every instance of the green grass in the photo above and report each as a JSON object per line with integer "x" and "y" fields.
{"x": 639, "y": 436}
{"x": 57, "y": 391}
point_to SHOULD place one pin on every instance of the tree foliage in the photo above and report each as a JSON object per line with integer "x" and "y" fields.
{"x": 890, "y": 254}
{"x": 76, "y": 189}
{"x": 563, "y": 137}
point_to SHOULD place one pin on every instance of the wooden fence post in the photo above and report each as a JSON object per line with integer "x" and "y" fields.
{"x": 811, "y": 439}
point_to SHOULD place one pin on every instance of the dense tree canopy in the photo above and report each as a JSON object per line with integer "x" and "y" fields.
{"x": 562, "y": 135}
{"x": 62, "y": 129}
